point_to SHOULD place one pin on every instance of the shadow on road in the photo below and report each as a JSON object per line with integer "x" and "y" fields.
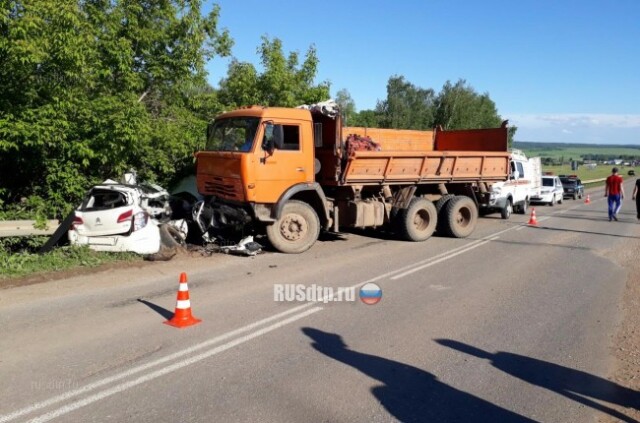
{"x": 160, "y": 310}
{"x": 408, "y": 393}
{"x": 577, "y": 385}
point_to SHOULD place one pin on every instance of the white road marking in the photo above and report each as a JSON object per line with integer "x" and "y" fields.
{"x": 439, "y": 287}
{"x": 172, "y": 368}
{"x": 143, "y": 367}
{"x": 180, "y": 354}
{"x": 424, "y": 266}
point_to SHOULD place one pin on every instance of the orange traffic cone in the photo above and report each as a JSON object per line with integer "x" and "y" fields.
{"x": 533, "y": 220}
{"x": 587, "y": 200}
{"x": 182, "y": 316}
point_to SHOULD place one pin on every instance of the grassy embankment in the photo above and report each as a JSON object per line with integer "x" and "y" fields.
{"x": 19, "y": 257}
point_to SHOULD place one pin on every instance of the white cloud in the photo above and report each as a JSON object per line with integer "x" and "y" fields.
{"x": 575, "y": 119}
{"x": 577, "y": 128}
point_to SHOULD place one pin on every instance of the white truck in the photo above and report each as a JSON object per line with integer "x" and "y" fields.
{"x": 523, "y": 184}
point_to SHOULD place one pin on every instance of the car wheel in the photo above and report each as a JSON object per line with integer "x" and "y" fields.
{"x": 560, "y": 200}
{"x": 505, "y": 213}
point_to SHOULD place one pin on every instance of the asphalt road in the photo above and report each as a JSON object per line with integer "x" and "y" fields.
{"x": 513, "y": 324}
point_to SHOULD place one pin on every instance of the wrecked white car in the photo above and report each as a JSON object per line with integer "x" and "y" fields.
{"x": 119, "y": 217}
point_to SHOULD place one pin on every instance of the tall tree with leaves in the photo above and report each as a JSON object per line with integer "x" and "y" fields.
{"x": 459, "y": 106}
{"x": 93, "y": 87}
{"x": 406, "y": 106}
{"x": 283, "y": 82}
{"x": 347, "y": 106}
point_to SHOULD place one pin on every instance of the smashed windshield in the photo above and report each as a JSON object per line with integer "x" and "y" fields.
{"x": 232, "y": 134}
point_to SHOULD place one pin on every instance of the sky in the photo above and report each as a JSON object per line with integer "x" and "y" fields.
{"x": 561, "y": 71}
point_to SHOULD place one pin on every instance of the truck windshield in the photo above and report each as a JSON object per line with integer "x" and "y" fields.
{"x": 232, "y": 134}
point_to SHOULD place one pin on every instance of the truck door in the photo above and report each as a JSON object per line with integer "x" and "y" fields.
{"x": 520, "y": 185}
{"x": 286, "y": 165}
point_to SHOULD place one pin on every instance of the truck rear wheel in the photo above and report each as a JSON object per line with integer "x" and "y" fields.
{"x": 418, "y": 221}
{"x": 297, "y": 229}
{"x": 460, "y": 217}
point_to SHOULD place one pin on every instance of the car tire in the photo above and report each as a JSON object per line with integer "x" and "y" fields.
{"x": 170, "y": 243}
{"x": 574, "y": 197}
{"x": 506, "y": 211}
{"x": 522, "y": 209}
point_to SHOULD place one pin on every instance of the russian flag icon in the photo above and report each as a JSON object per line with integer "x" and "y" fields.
{"x": 370, "y": 293}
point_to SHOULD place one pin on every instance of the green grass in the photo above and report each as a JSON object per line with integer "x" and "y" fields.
{"x": 601, "y": 171}
{"x": 576, "y": 151}
{"x": 18, "y": 257}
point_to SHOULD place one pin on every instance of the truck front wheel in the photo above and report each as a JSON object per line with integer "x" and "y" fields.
{"x": 418, "y": 221}
{"x": 297, "y": 229}
{"x": 460, "y": 217}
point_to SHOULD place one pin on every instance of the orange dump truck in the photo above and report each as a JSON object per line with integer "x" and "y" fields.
{"x": 294, "y": 172}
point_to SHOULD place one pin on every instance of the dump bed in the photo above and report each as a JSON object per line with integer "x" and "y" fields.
{"x": 478, "y": 155}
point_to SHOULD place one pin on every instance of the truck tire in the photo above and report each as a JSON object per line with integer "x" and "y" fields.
{"x": 506, "y": 211}
{"x": 440, "y": 204}
{"x": 442, "y": 201}
{"x": 460, "y": 217}
{"x": 418, "y": 221}
{"x": 297, "y": 229}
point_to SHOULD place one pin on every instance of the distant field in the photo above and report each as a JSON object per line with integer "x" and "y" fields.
{"x": 601, "y": 171}
{"x": 575, "y": 151}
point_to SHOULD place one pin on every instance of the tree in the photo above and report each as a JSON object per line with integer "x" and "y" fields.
{"x": 406, "y": 106}
{"x": 347, "y": 105}
{"x": 459, "y": 106}
{"x": 91, "y": 88}
{"x": 283, "y": 82}
{"x": 366, "y": 118}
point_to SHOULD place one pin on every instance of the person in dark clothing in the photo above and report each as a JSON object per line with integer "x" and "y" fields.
{"x": 614, "y": 191}
{"x": 636, "y": 197}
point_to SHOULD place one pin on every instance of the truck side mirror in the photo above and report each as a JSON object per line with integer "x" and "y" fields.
{"x": 273, "y": 137}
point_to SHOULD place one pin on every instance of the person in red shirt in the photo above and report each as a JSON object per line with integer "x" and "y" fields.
{"x": 614, "y": 191}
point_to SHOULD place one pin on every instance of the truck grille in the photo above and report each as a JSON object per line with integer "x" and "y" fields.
{"x": 227, "y": 188}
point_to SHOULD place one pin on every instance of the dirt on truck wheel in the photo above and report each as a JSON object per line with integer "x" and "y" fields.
{"x": 418, "y": 221}
{"x": 460, "y": 216}
{"x": 297, "y": 229}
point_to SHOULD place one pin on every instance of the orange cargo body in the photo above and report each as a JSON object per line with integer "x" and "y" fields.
{"x": 407, "y": 156}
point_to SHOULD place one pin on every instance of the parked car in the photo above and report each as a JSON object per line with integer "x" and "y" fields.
{"x": 631, "y": 172}
{"x": 552, "y": 191}
{"x": 573, "y": 187}
{"x": 119, "y": 217}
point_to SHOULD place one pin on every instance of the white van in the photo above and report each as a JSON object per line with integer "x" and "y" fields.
{"x": 524, "y": 183}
